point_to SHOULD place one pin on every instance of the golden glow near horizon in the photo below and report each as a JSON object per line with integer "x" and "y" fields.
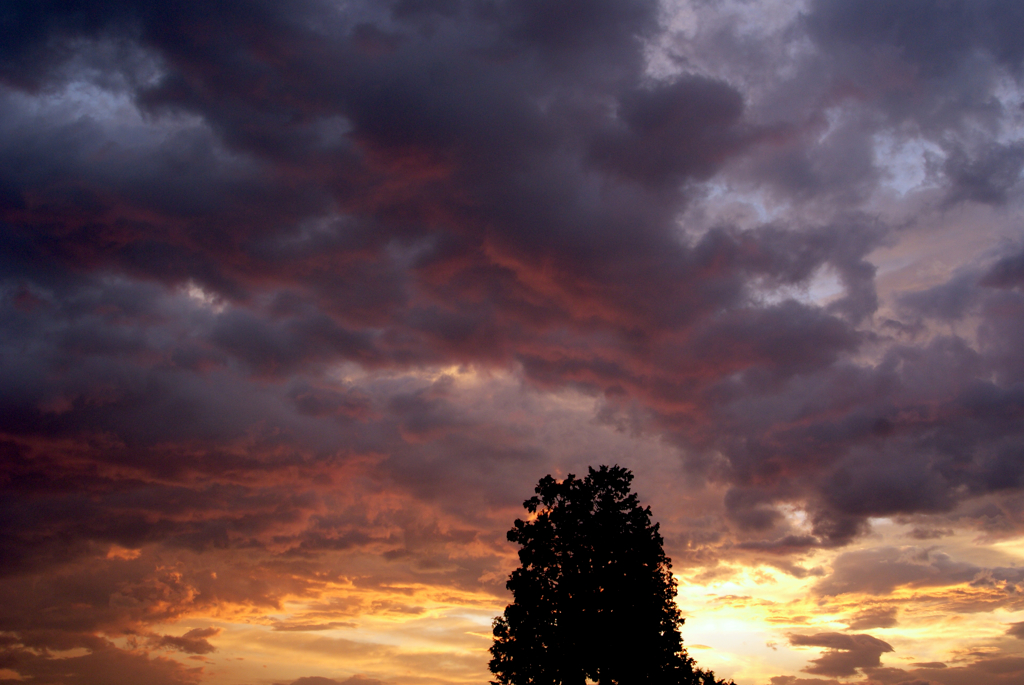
{"x": 739, "y": 619}
{"x": 390, "y": 612}
{"x": 743, "y": 623}
{"x": 362, "y": 614}
{"x": 405, "y": 631}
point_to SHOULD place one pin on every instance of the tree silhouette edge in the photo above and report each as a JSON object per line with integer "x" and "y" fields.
{"x": 594, "y": 596}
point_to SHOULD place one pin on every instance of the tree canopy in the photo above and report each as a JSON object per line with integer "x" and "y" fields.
{"x": 594, "y": 596}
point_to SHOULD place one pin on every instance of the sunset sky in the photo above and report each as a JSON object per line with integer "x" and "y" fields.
{"x": 299, "y": 299}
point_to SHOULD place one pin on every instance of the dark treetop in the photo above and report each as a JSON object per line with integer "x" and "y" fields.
{"x": 594, "y": 597}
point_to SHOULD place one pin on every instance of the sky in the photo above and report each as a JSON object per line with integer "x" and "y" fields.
{"x": 299, "y": 299}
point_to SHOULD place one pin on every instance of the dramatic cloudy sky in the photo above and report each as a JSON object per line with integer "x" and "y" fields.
{"x": 300, "y": 298}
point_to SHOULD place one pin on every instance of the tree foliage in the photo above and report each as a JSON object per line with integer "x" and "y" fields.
{"x": 594, "y": 597}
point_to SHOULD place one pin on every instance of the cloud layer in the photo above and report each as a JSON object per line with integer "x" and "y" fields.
{"x": 298, "y": 300}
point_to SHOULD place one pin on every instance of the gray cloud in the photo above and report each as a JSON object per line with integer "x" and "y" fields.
{"x": 192, "y": 642}
{"x": 880, "y": 570}
{"x": 875, "y": 617}
{"x": 846, "y": 653}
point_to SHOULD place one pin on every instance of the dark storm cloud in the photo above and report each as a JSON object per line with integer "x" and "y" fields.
{"x": 992, "y": 295}
{"x": 277, "y": 349}
{"x": 219, "y": 222}
{"x": 1008, "y": 272}
{"x": 414, "y": 124}
{"x": 657, "y": 143}
{"x": 928, "y": 70}
{"x": 870, "y": 453}
{"x": 988, "y": 178}
{"x": 933, "y": 34}
{"x": 464, "y": 182}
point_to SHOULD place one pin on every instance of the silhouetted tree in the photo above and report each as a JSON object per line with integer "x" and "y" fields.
{"x": 594, "y": 597}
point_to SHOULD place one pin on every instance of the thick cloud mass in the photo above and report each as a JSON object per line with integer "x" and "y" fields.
{"x": 299, "y": 296}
